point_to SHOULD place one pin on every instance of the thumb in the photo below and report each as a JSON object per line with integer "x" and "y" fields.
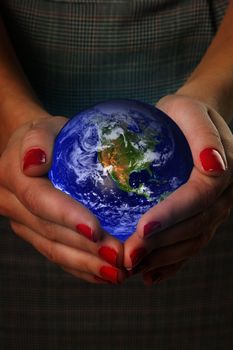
{"x": 37, "y": 145}
{"x": 194, "y": 119}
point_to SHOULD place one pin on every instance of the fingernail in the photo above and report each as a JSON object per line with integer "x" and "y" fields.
{"x": 150, "y": 228}
{"x": 109, "y": 254}
{"x": 137, "y": 255}
{"x": 34, "y": 156}
{"x": 129, "y": 268}
{"x": 212, "y": 160}
{"x": 109, "y": 273}
{"x": 86, "y": 231}
{"x": 102, "y": 280}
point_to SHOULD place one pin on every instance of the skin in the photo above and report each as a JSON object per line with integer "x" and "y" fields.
{"x": 190, "y": 216}
{"x": 38, "y": 213}
{"x": 46, "y": 218}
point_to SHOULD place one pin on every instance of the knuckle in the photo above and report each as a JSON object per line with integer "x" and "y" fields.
{"x": 49, "y": 229}
{"x": 14, "y": 226}
{"x": 29, "y": 199}
{"x": 65, "y": 215}
{"x": 33, "y": 134}
{"x": 51, "y": 253}
{"x": 207, "y": 194}
{"x": 86, "y": 266}
{"x": 210, "y": 133}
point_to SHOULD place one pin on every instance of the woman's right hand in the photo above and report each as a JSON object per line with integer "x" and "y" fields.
{"x": 59, "y": 227}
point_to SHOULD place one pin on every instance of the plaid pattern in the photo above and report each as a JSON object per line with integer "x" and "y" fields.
{"x": 77, "y": 53}
{"x": 42, "y": 307}
{"x": 80, "y": 52}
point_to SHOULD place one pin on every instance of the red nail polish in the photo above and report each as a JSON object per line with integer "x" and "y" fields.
{"x": 109, "y": 273}
{"x": 85, "y": 231}
{"x": 137, "y": 255}
{"x": 34, "y": 156}
{"x": 211, "y": 160}
{"x": 108, "y": 254}
{"x": 150, "y": 228}
{"x": 102, "y": 280}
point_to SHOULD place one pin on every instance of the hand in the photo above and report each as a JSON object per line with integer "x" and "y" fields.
{"x": 177, "y": 228}
{"x": 56, "y": 225}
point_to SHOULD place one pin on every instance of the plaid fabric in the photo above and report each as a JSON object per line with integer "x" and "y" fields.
{"x": 77, "y": 53}
{"x": 42, "y": 307}
{"x": 80, "y": 52}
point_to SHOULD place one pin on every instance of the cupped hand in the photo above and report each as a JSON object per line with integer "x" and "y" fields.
{"x": 55, "y": 224}
{"x": 180, "y": 226}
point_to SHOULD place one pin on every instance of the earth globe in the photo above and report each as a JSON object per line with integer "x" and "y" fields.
{"x": 119, "y": 158}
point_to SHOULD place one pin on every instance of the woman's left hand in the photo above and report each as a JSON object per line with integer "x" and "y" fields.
{"x": 179, "y": 227}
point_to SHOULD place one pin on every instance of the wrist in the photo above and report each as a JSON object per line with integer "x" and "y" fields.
{"x": 15, "y": 114}
{"x": 214, "y": 91}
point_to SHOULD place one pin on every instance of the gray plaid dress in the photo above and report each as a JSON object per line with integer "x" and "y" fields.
{"x": 77, "y": 53}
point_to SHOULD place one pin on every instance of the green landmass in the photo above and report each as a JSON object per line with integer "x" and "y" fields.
{"x": 126, "y": 154}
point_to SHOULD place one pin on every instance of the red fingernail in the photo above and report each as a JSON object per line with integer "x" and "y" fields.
{"x": 108, "y": 254}
{"x": 102, "y": 280}
{"x": 137, "y": 255}
{"x": 150, "y": 228}
{"x": 34, "y": 156}
{"x": 109, "y": 273}
{"x": 85, "y": 231}
{"x": 211, "y": 160}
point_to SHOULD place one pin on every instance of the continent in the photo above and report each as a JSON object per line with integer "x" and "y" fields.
{"x": 123, "y": 152}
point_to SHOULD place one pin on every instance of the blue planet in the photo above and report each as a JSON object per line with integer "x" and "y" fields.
{"x": 120, "y": 158}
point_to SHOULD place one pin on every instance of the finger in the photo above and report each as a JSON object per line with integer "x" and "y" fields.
{"x": 5, "y": 206}
{"x": 159, "y": 275}
{"x": 39, "y": 196}
{"x": 86, "y": 276}
{"x": 195, "y": 225}
{"x": 108, "y": 249}
{"x": 43, "y": 200}
{"x": 180, "y": 251}
{"x": 210, "y": 211}
{"x": 173, "y": 253}
{"x": 201, "y": 189}
{"x": 206, "y": 221}
{"x": 69, "y": 257}
{"x": 194, "y": 120}
{"x": 37, "y": 145}
{"x": 188, "y": 200}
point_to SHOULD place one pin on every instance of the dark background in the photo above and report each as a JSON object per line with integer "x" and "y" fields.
{"x": 42, "y": 307}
